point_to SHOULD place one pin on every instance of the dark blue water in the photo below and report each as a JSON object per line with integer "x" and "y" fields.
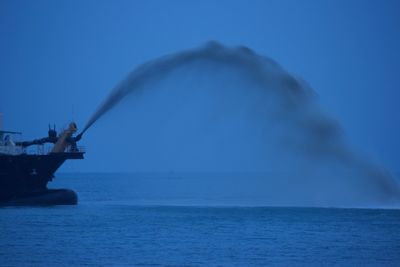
{"x": 116, "y": 224}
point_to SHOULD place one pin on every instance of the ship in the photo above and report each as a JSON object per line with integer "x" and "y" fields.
{"x": 26, "y": 167}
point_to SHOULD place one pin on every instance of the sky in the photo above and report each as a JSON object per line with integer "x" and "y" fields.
{"x": 60, "y": 59}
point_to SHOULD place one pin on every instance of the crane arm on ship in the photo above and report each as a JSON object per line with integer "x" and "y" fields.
{"x": 60, "y": 142}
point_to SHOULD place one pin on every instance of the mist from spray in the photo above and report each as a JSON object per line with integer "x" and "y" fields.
{"x": 254, "y": 116}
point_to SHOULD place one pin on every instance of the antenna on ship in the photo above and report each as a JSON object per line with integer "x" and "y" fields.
{"x": 72, "y": 109}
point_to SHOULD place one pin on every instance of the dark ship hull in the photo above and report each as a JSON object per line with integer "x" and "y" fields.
{"x": 24, "y": 178}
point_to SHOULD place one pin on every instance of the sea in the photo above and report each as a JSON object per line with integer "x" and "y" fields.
{"x": 166, "y": 219}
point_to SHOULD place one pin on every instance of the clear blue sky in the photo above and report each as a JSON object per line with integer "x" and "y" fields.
{"x": 59, "y": 56}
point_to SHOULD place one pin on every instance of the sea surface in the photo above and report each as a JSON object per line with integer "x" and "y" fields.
{"x": 169, "y": 220}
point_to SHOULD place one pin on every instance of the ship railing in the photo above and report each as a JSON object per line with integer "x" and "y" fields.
{"x": 76, "y": 149}
{"x": 44, "y": 150}
{"x": 35, "y": 150}
{"x": 11, "y": 150}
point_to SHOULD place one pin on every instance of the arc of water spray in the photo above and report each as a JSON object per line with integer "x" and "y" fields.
{"x": 161, "y": 67}
{"x": 321, "y": 135}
